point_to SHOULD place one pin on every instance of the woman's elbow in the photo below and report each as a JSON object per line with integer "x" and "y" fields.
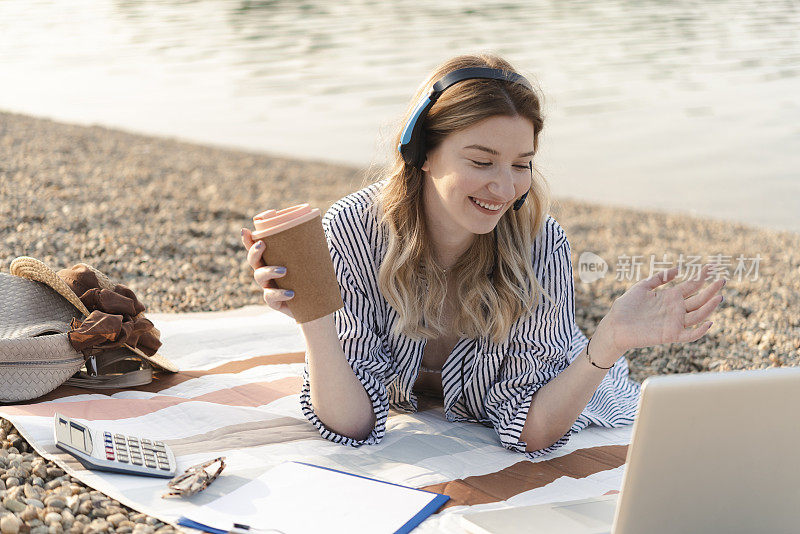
{"x": 357, "y": 430}
{"x": 535, "y": 440}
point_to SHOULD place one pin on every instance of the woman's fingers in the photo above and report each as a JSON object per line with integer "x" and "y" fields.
{"x": 701, "y": 314}
{"x": 690, "y": 287}
{"x": 264, "y": 276}
{"x": 255, "y": 255}
{"x": 276, "y": 296}
{"x": 688, "y": 334}
{"x": 247, "y": 238}
{"x": 275, "y": 299}
{"x": 660, "y": 278}
{"x": 695, "y": 301}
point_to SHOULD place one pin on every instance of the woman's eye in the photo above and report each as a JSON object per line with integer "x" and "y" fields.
{"x": 524, "y": 167}
{"x": 481, "y": 163}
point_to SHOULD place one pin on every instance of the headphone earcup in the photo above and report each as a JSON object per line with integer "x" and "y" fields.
{"x": 520, "y": 201}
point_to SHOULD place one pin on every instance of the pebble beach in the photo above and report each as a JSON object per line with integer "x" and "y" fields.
{"x": 164, "y": 217}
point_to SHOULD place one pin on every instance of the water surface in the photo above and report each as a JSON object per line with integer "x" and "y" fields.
{"x": 679, "y": 106}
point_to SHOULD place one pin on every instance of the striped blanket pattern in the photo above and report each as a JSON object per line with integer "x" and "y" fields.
{"x": 237, "y": 396}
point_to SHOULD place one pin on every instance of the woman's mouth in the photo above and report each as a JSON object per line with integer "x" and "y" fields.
{"x": 490, "y": 210}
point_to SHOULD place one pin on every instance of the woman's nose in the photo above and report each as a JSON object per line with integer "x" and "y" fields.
{"x": 503, "y": 186}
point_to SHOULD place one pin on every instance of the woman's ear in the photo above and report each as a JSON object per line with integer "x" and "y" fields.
{"x": 425, "y": 166}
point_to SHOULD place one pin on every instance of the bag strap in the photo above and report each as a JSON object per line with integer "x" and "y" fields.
{"x": 111, "y": 373}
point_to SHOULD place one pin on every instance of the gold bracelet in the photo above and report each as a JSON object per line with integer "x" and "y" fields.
{"x": 590, "y": 358}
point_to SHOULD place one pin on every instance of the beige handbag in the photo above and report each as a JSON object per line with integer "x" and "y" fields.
{"x": 43, "y": 320}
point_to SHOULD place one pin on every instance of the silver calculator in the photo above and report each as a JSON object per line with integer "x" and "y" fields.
{"x": 107, "y": 451}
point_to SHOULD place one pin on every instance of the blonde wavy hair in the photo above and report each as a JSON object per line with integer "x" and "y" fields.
{"x": 488, "y": 305}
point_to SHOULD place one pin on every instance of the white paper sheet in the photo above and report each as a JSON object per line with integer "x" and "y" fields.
{"x": 296, "y": 498}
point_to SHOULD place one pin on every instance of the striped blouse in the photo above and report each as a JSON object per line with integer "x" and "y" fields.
{"x": 499, "y": 379}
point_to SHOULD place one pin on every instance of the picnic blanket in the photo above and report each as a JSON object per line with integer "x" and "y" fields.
{"x": 237, "y": 396}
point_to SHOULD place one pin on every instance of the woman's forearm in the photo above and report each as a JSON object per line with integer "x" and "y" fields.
{"x": 557, "y": 404}
{"x": 337, "y": 395}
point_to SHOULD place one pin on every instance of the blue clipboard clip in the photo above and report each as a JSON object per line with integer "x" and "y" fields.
{"x": 237, "y": 528}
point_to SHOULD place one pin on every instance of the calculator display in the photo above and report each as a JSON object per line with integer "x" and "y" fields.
{"x": 75, "y": 435}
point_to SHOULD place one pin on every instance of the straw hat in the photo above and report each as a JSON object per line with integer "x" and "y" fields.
{"x": 33, "y": 269}
{"x": 37, "y": 307}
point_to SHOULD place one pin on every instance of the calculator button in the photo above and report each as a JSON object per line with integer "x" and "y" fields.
{"x": 159, "y": 443}
{"x": 136, "y": 461}
{"x": 107, "y": 434}
{"x": 149, "y": 463}
{"x": 122, "y": 458}
{"x": 164, "y": 467}
{"x": 110, "y": 455}
{"x": 146, "y": 441}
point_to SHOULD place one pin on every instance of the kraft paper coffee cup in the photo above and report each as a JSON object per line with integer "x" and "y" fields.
{"x": 294, "y": 238}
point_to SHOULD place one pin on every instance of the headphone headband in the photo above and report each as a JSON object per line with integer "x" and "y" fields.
{"x": 412, "y": 142}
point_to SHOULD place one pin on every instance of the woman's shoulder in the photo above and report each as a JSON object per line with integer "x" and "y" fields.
{"x": 551, "y": 236}
{"x": 353, "y": 207}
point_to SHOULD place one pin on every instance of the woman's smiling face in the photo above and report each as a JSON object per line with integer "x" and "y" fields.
{"x": 489, "y": 161}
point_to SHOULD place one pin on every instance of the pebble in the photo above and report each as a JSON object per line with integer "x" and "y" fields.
{"x": 73, "y": 503}
{"x": 85, "y": 508}
{"x": 9, "y": 524}
{"x": 14, "y": 505}
{"x": 99, "y": 524}
{"x": 54, "y": 501}
{"x": 116, "y": 519}
{"x": 53, "y": 517}
{"x": 35, "y": 502}
{"x": 30, "y": 512}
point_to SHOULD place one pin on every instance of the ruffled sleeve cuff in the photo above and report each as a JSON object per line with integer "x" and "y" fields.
{"x": 512, "y": 419}
{"x": 380, "y": 406}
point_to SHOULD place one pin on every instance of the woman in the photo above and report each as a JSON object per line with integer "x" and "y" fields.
{"x": 457, "y": 282}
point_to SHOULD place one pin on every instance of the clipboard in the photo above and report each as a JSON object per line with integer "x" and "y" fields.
{"x": 412, "y": 508}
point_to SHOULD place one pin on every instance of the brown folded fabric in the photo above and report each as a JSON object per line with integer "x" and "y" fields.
{"x": 102, "y": 331}
{"x": 116, "y": 316}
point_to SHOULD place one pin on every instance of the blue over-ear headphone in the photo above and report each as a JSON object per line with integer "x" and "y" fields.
{"x": 412, "y": 142}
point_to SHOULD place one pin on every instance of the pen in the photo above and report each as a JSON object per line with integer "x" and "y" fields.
{"x": 239, "y": 528}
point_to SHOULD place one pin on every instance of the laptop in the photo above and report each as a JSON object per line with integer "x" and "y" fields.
{"x": 710, "y": 452}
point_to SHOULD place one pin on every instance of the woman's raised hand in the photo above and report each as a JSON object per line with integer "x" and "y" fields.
{"x": 264, "y": 275}
{"x": 644, "y": 316}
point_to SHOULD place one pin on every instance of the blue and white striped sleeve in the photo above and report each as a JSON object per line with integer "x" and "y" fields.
{"x": 363, "y": 346}
{"x": 538, "y": 349}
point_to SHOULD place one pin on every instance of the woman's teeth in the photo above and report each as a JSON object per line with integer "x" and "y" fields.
{"x": 487, "y": 206}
